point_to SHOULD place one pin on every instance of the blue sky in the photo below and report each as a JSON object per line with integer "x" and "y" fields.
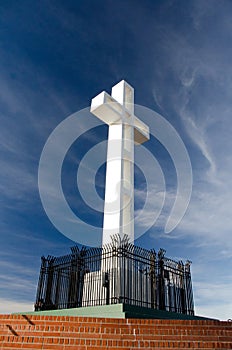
{"x": 55, "y": 56}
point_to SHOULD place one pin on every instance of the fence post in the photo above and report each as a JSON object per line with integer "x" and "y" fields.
{"x": 161, "y": 279}
{"x": 39, "y": 303}
{"x": 188, "y": 288}
{"x": 50, "y": 272}
{"x": 153, "y": 279}
{"x": 106, "y": 284}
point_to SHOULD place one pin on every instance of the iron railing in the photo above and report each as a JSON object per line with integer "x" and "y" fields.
{"x": 117, "y": 273}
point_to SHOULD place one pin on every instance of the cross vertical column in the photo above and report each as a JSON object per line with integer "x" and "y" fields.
{"x": 125, "y": 129}
{"x": 119, "y": 215}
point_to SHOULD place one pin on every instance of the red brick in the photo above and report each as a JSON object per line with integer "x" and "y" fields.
{"x": 57, "y": 332}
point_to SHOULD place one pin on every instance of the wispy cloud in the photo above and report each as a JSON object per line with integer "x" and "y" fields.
{"x": 199, "y": 137}
{"x": 156, "y": 202}
{"x": 13, "y": 283}
{"x": 200, "y": 89}
{"x": 201, "y": 96}
{"x": 196, "y": 64}
{"x": 16, "y": 269}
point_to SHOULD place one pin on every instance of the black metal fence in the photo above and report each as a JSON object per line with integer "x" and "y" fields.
{"x": 117, "y": 273}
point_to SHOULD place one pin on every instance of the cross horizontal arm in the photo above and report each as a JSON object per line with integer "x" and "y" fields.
{"x": 110, "y": 111}
{"x": 141, "y": 131}
{"x": 106, "y": 108}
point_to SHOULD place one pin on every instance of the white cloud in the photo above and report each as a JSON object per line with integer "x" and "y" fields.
{"x": 213, "y": 299}
{"x": 8, "y": 306}
{"x": 208, "y": 218}
{"x": 222, "y": 311}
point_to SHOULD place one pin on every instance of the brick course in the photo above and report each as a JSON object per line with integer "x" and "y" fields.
{"x": 85, "y": 333}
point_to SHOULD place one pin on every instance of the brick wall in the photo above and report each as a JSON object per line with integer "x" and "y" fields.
{"x": 85, "y": 333}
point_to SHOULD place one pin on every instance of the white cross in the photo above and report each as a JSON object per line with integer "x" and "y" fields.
{"x": 125, "y": 129}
